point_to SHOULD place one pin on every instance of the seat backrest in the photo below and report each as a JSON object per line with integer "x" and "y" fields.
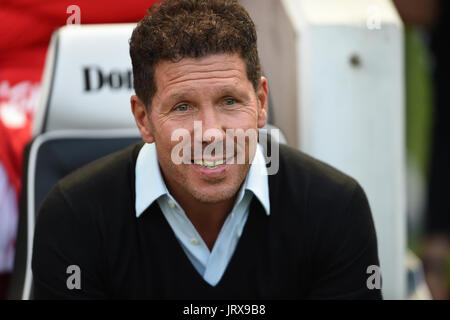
{"x": 48, "y": 158}
{"x": 83, "y": 114}
{"x": 87, "y": 81}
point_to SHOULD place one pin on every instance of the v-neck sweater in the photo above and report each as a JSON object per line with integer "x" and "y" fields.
{"x": 317, "y": 243}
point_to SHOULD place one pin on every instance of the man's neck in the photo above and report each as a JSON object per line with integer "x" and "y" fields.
{"x": 207, "y": 218}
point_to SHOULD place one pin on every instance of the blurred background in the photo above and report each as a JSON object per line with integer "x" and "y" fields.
{"x": 361, "y": 84}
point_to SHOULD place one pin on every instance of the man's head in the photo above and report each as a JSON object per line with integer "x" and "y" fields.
{"x": 197, "y": 60}
{"x": 177, "y": 29}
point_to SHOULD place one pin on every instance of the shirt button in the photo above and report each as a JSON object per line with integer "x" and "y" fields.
{"x": 172, "y": 204}
{"x": 194, "y": 241}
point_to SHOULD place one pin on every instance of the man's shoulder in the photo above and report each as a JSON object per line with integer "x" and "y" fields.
{"x": 81, "y": 202}
{"x": 313, "y": 188}
{"x": 327, "y": 212}
{"x": 305, "y": 171}
{"x": 106, "y": 175}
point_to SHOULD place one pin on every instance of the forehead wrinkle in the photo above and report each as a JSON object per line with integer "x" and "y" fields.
{"x": 190, "y": 90}
{"x": 190, "y": 83}
{"x": 216, "y": 84}
{"x": 186, "y": 78}
{"x": 188, "y": 75}
{"x": 172, "y": 71}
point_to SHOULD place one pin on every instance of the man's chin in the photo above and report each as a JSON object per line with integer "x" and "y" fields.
{"x": 213, "y": 196}
{"x": 215, "y": 188}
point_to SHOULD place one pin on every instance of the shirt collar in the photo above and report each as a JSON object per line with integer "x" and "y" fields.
{"x": 150, "y": 184}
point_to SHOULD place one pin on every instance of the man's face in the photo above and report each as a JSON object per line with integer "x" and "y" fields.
{"x": 215, "y": 91}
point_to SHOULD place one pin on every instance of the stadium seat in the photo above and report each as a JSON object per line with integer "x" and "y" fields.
{"x": 87, "y": 80}
{"x": 83, "y": 114}
{"x": 50, "y": 157}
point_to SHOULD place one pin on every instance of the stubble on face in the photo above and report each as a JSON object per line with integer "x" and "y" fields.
{"x": 198, "y": 83}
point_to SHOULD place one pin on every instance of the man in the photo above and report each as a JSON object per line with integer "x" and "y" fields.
{"x": 182, "y": 219}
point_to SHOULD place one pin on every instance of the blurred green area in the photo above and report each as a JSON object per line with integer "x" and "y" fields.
{"x": 419, "y": 99}
{"x": 419, "y": 117}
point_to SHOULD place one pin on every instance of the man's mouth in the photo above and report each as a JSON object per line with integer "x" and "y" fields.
{"x": 209, "y": 164}
{"x": 212, "y": 165}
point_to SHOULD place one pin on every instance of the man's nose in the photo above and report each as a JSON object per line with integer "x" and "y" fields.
{"x": 212, "y": 124}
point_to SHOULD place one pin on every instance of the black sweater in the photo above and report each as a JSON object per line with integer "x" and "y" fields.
{"x": 317, "y": 242}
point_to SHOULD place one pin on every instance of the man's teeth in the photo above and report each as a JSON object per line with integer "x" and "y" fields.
{"x": 209, "y": 164}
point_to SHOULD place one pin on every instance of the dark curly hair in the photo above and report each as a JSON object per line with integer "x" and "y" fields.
{"x": 175, "y": 29}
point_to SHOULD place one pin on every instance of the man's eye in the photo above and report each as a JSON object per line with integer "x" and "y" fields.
{"x": 230, "y": 101}
{"x": 182, "y": 107}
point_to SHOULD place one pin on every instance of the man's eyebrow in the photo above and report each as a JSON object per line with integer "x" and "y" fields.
{"x": 179, "y": 95}
{"x": 231, "y": 91}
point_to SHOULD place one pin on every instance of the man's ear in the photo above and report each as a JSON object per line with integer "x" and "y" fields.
{"x": 263, "y": 102}
{"x": 142, "y": 118}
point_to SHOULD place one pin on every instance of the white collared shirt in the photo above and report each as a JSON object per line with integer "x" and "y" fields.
{"x": 210, "y": 265}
